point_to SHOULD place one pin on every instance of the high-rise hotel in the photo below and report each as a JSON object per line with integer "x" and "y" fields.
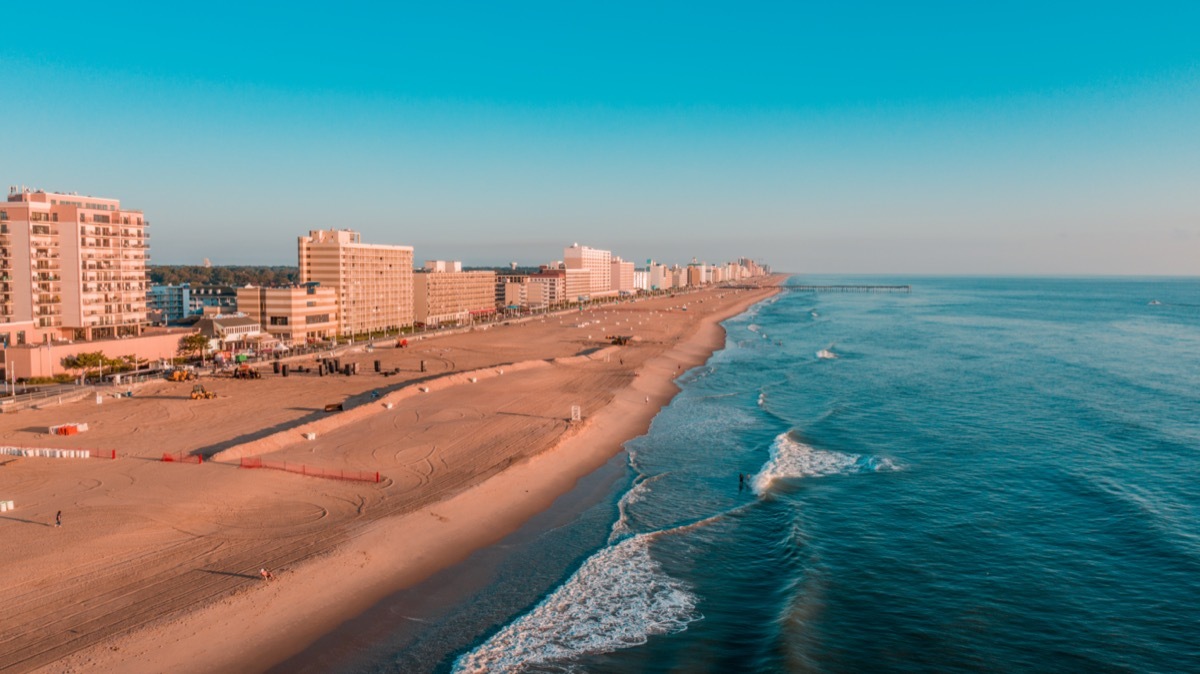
{"x": 71, "y": 267}
{"x": 598, "y": 265}
{"x": 373, "y": 283}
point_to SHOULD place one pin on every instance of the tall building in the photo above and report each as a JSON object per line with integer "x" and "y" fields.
{"x": 597, "y": 262}
{"x": 622, "y": 276}
{"x": 372, "y": 282}
{"x": 577, "y": 285}
{"x": 659, "y": 276}
{"x": 295, "y": 315}
{"x": 443, "y": 293}
{"x": 555, "y": 281}
{"x": 71, "y": 267}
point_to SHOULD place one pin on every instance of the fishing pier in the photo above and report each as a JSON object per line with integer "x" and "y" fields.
{"x": 852, "y": 289}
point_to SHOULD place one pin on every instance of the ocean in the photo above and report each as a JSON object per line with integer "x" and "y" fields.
{"x": 985, "y": 474}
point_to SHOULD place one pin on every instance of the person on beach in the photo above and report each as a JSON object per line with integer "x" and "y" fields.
{"x": 58, "y": 519}
{"x": 266, "y": 575}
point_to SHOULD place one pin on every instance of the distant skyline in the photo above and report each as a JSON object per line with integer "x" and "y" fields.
{"x": 885, "y": 138}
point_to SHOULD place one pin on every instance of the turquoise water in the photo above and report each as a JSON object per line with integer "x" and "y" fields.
{"x": 982, "y": 475}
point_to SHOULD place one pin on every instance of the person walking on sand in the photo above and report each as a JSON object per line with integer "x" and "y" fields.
{"x": 58, "y": 519}
{"x": 266, "y": 575}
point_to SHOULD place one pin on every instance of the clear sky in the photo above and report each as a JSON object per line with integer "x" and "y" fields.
{"x": 899, "y": 137}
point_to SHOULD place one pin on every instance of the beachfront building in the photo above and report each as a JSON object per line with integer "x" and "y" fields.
{"x": 577, "y": 285}
{"x": 170, "y": 303}
{"x": 71, "y": 267}
{"x": 527, "y": 294}
{"x": 641, "y": 280}
{"x": 599, "y": 265}
{"x": 503, "y": 280}
{"x": 555, "y": 282}
{"x": 230, "y": 332}
{"x": 621, "y": 276}
{"x": 373, "y": 283}
{"x": 661, "y": 277}
{"x": 695, "y": 274}
{"x": 294, "y": 315}
{"x": 752, "y": 267}
{"x": 445, "y": 294}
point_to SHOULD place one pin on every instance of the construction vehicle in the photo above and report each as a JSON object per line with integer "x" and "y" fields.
{"x": 244, "y": 371}
{"x": 620, "y": 340}
{"x": 201, "y": 393}
{"x": 181, "y": 375}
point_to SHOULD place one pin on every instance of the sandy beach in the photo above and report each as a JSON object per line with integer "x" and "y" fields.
{"x": 156, "y": 565}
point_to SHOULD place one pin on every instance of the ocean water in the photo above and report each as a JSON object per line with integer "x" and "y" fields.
{"x": 981, "y": 475}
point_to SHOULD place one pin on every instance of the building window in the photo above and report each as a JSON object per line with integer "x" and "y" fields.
{"x": 279, "y": 320}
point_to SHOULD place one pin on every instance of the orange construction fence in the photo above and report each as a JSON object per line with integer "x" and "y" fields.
{"x": 328, "y": 473}
{"x": 181, "y": 457}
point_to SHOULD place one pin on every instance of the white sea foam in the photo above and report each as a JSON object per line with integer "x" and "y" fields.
{"x": 792, "y": 459}
{"x": 635, "y": 495}
{"x": 617, "y": 599}
{"x": 753, "y": 327}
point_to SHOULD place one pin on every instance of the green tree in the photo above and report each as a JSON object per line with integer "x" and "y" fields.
{"x": 195, "y": 343}
{"x": 85, "y": 361}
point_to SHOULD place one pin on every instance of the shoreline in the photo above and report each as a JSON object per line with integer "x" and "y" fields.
{"x": 366, "y": 639}
{"x": 260, "y": 626}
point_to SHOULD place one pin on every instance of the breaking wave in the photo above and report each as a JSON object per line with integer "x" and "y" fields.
{"x": 621, "y": 527}
{"x": 793, "y": 459}
{"x": 618, "y": 599}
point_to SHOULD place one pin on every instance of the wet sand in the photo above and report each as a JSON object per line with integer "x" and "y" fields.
{"x": 156, "y": 565}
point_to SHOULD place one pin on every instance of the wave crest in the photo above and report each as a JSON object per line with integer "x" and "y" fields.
{"x": 793, "y": 459}
{"x": 618, "y": 599}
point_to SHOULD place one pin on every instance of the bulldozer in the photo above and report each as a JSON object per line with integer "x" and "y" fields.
{"x": 181, "y": 375}
{"x": 201, "y": 393}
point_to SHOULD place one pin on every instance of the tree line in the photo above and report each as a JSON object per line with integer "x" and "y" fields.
{"x": 166, "y": 274}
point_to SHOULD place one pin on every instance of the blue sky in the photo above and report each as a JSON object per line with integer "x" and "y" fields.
{"x": 1033, "y": 138}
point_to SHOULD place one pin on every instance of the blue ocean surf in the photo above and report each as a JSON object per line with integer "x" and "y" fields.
{"x": 980, "y": 475}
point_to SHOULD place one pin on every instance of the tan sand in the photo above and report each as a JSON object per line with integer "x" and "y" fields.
{"x": 156, "y": 565}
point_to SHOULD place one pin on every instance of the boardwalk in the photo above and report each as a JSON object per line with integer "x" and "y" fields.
{"x": 852, "y": 289}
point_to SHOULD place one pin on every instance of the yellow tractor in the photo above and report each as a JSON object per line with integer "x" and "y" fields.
{"x": 201, "y": 393}
{"x": 182, "y": 375}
